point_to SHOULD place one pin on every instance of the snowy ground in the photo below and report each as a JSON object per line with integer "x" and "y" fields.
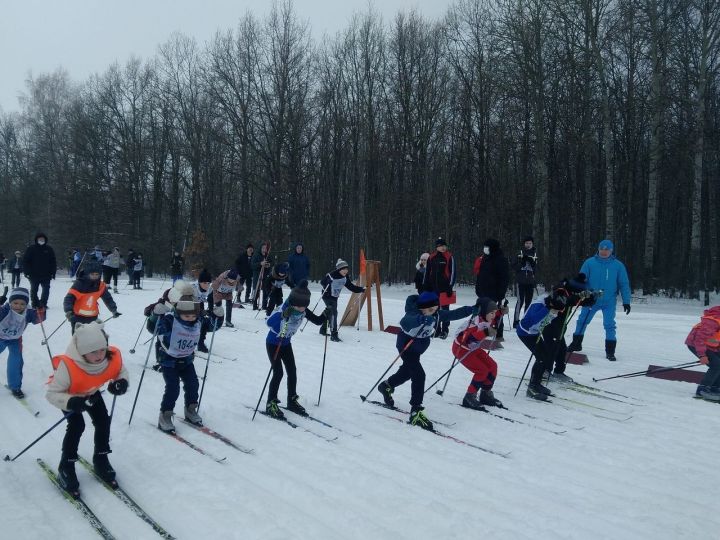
{"x": 653, "y": 475}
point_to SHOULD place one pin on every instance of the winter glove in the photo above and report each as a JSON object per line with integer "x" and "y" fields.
{"x": 69, "y": 315}
{"x": 79, "y": 404}
{"x": 160, "y": 309}
{"x": 218, "y": 311}
{"x": 116, "y": 314}
{"x": 491, "y": 331}
{"x": 118, "y": 388}
{"x": 703, "y": 360}
{"x": 626, "y": 307}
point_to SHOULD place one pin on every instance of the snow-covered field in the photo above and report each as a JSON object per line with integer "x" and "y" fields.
{"x": 653, "y": 475}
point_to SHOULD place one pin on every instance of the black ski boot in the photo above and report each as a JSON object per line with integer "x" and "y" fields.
{"x": 334, "y": 337}
{"x": 537, "y": 391}
{"x": 323, "y": 329}
{"x": 294, "y": 406}
{"x": 67, "y": 477}
{"x": 470, "y": 401}
{"x": 386, "y": 390}
{"x": 610, "y": 350}
{"x": 104, "y": 470}
{"x": 488, "y": 398}
{"x": 418, "y": 418}
{"x": 273, "y": 410}
{"x": 576, "y": 344}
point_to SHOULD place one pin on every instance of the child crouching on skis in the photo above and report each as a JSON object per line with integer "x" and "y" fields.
{"x": 283, "y": 325}
{"x": 467, "y": 348}
{"x": 178, "y": 334}
{"x": 418, "y": 326}
{"x": 704, "y": 342}
{"x": 88, "y": 363}
{"x": 14, "y": 318}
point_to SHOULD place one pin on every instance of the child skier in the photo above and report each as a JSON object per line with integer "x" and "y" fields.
{"x": 272, "y": 286}
{"x": 81, "y": 301}
{"x": 418, "y": 326}
{"x": 332, "y": 284}
{"x": 283, "y": 325}
{"x": 704, "y": 342}
{"x": 179, "y": 333}
{"x": 222, "y": 289}
{"x": 88, "y": 363}
{"x": 137, "y": 271}
{"x": 14, "y": 318}
{"x": 467, "y": 348}
{"x": 541, "y": 330}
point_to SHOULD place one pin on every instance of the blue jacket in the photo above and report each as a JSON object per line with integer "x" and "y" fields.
{"x": 421, "y": 327}
{"x": 288, "y": 327}
{"x": 299, "y": 266}
{"x": 10, "y": 331}
{"x": 536, "y": 318}
{"x": 609, "y": 275}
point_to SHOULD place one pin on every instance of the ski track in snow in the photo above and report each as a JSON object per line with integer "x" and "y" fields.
{"x": 646, "y": 477}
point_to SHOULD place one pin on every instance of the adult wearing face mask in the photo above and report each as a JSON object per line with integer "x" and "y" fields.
{"x": 440, "y": 278}
{"x": 40, "y": 266}
{"x": 492, "y": 273}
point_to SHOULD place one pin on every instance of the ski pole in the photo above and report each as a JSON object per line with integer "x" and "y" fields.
{"x": 405, "y": 348}
{"x": 44, "y": 342}
{"x": 207, "y": 363}
{"x": 132, "y": 351}
{"x": 42, "y": 327}
{"x": 272, "y": 364}
{"x": 112, "y": 409}
{"x": 648, "y": 371}
{"x": 322, "y": 373}
{"x": 56, "y": 424}
{"x": 142, "y": 375}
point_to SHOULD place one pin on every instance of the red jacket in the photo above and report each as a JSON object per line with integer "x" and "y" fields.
{"x": 706, "y": 334}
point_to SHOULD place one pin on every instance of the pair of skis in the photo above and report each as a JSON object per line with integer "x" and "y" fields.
{"x": 116, "y": 490}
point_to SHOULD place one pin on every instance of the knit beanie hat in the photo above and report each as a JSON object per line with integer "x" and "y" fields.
{"x": 232, "y": 274}
{"x": 281, "y": 269}
{"x": 92, "y": 267}
{"x": 556, "y": 300}
{"x": 181, "y": 288}
{"x": 187, "y": 305}
{"x": 204, "y": 276}
{"x": 606, "y": 244}
{"x": 427, "y": 300}
{"x": 576, "y": 284}
{"x": 440, "y": 242}
{"x": 486, "y": 306}
{"x": 300, "y": 295}
{"x": 19, "y": 293}
{"x": 340, "y": 264}
{"x": 90, "y": 337}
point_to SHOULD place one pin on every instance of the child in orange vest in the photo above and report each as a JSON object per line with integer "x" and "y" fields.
{"x": 88, "y": 363}
{"x": 704, "y": 342}
{"x": 467, "y": 348}
{"x": 81, "y": 301}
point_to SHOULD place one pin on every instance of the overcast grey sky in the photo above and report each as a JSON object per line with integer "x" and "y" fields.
{"x": 86, "y": 36}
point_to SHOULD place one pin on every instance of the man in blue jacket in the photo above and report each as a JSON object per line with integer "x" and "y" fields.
{"x": 604, "y": 272}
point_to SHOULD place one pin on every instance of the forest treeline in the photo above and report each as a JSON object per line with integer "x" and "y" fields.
{"x": 570, "y": 120}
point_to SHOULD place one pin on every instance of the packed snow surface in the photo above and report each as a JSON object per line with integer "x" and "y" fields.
{"x": 638, "y": 466}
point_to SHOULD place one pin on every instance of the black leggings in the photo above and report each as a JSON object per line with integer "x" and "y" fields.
{"x": 284, "y": 356}
{"x": 412, "y": 370}
{"x": 110, "y": 273}
{"x": 76, "y": 425}
{"x": 525, "y": 296}
{"x": 547, "y": 352}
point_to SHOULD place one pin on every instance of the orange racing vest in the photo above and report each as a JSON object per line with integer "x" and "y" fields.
{"x": 82, "y": 382}
{"x": 86, "y": 304}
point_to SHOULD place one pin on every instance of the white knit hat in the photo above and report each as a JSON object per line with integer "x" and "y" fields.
{"x": 90, "y": 337}
{"x": 181, "y": 288}
{"x": 340, "y": 264}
